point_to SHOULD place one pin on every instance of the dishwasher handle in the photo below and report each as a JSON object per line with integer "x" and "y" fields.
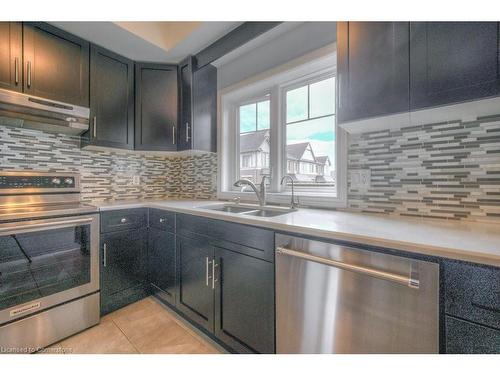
{"x": 409, "y": 281}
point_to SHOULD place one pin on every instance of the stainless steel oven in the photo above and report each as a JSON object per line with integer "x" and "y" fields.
{"x": 49, "y": 265}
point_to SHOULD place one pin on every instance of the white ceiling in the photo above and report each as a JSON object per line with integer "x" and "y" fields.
{"x": 167, "y": 42}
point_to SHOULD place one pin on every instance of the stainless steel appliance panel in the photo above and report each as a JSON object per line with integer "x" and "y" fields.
{"x": 55, "y": 277}
{"x": 38, "y": 331}
{"x": 338, "y": 299}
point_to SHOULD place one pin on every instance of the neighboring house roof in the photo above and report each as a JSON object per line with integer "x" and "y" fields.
{"x": 323, "y": 159}
{"x": 253, "y": 141}
{"x": 297, "y": 150}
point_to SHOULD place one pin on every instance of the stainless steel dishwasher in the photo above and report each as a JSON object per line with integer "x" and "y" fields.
{"x": 338, "y": 299}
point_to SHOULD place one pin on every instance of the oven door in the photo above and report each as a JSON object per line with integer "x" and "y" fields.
{"x": 47, "y": 262}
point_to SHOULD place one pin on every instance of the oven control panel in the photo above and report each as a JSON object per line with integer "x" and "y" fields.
{"x": 47, "y": 181}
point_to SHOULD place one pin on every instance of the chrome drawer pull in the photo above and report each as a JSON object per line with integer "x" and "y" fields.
{"x": 400, "y": 279}
{"x": 162, "y": 220}
{"x": 207, "y": 277}
{"x": 123, "y": 220}
{"x": 104, "y": 255}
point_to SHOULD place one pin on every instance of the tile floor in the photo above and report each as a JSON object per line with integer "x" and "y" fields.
{"x": 143, "y": 327}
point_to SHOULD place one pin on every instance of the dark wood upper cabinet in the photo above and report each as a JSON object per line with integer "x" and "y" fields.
{"x": 156, "y": 107}
{"x": 11, "y": 56}
{"x": 56, "y": 64}
{"x": 453, "y": 62}
{"x": 198, "y": 94}
{"x": 111, "y": 100}
{"x": 185, "y": 138}
{"x": 372, "y": 69}
{"x": 205, "y": 109}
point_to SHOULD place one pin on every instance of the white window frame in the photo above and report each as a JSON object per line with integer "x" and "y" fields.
{"x": 306, "y": 70}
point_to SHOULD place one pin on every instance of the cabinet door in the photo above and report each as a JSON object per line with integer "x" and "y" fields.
{"x": 453, "y": 62}
{"x": 195, "y": 296}
{"x": 463, "y": 337}
{"x": 11, "y": 58}
{"x": 186, "y": 119}
{"x": 161, "y": 255}
{"x": 56, "y": 64}
{"x": 156, "y": 107}
{"x": 244, "y": 302}
{"x": 204, "y": 109}
{"x": 372, "y": 69}
{"x": 112, "y": 99}
{"x": 123, "y": 268}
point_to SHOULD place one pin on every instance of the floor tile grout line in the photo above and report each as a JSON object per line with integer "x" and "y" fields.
{"x": 126, "y": 337}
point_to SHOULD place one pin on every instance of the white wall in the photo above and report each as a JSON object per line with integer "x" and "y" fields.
{"x": 278, "y": 46}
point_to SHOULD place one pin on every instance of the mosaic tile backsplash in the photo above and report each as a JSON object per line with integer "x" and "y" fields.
{"x": 445, "y": 170}
{"x": 107, "y": 175}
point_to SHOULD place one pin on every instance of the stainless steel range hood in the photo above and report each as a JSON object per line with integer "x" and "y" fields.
{"x": 26, "y": 111}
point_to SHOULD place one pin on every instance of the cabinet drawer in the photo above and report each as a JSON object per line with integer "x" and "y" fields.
{"x": 261, "y": 241}
{"x": 112, "y": 221}
{"x": 162, "y": 220}
{"x": 468, "y": 338}
{"x": 472, "y": 292}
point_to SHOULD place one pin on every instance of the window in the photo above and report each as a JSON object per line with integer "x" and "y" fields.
{"x": 283, "y": 125}
{"x": 310, "y": 134}
{"x": 254, "y": 123}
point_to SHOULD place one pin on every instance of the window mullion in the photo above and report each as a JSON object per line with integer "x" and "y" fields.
{"x": 276, "y": 142}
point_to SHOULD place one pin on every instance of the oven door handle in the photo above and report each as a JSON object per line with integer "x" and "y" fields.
{"x": 20, "y": 228}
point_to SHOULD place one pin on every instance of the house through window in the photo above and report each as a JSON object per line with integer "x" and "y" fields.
{"x": 285, "y": 125}
{"x": 254, "y": 123}
{"x": 310, "y": 135}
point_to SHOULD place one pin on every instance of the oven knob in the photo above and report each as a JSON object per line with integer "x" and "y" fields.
{"x": 68, "y": 181}
{"x": 56, "y": 181}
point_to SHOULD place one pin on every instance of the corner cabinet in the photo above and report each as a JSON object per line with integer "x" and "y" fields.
{"x": 156, "y": 107}
{"x": 11, "y": 56}
{"x": 56, "y": 64}
{"x": 453, "y": 62}
{"x": 111, "y": 100}
{"x": 372, "y": 69}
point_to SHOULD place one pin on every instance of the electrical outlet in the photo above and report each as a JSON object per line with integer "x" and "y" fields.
{"x": 360, "y": 179}
{"x": 136, "y": 179}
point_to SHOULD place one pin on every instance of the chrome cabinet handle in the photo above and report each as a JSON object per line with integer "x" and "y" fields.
{"x": 16, "y": 70}
{"x": 104, "y": 255}
{"x": 187, "y": 132}
{"x": 400, "y": 279}
{"x": 123, "y": 220}
{"x": 207, "y": 277}
{"x": 29, "y": 74}
{"x": 214, "y": 280}
{"x": 162, "y": 220}
{"x": 95, "y": 126}
{"x": 173, "y": 134}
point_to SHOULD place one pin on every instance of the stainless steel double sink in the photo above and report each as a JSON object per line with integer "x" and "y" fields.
{"x": 251, "y": 210}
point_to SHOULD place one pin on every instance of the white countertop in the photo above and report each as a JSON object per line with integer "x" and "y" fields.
{"x": 468, "y": 241}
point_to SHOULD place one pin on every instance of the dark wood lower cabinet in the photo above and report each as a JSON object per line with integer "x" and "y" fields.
{"x": 463, "y": 337}
{"x": 244, "y": 302}
{"x": 161, "y": 258}
{"x": 195, "y": 296}
{"x": 123, "y": 268}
